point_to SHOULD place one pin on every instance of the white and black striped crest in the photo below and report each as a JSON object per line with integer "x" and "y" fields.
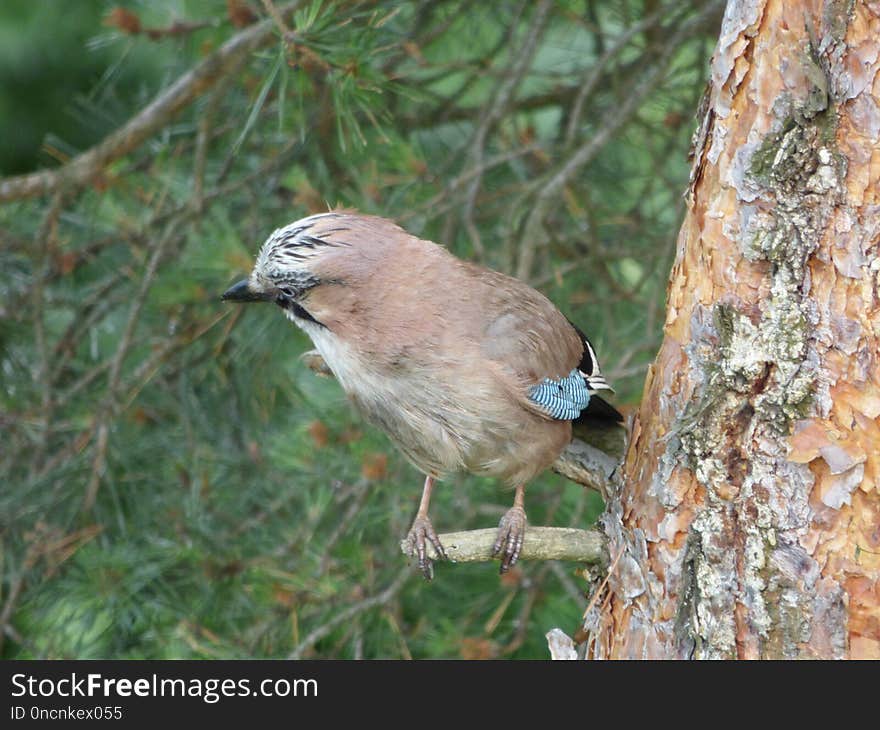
{"x": 293, "y": 245}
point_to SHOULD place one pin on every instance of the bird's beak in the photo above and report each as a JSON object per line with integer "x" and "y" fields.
{"x": 241, "y": 292}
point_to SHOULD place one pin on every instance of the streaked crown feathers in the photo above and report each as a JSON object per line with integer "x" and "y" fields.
{"x": 291, "y": 246}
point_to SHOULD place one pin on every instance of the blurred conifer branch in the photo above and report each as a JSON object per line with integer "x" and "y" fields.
{"x": 83, "y": 168}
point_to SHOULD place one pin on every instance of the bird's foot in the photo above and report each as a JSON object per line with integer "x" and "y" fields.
{"x": 421, "y": 533}
{"x": 509, "y": 542}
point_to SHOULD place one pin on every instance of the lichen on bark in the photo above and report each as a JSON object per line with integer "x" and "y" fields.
{"x": 734, "y": 481}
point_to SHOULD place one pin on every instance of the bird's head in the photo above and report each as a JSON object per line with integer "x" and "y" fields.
{"x": 286, "y": 265}
{"x": 317, "y": 268}
{"x": 328, "y": 248}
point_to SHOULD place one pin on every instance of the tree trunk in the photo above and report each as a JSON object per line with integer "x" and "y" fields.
{"x": 747, "y": 517}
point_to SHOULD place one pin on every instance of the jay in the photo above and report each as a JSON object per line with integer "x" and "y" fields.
{"x": 464, "y": 368}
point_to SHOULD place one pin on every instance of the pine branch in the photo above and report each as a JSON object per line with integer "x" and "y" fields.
{"x": 540, "y": 543}
{"x": 87, "y": 165}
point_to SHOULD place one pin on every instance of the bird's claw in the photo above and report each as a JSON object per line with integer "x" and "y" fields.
{"x": 509, "y": 541}
{"x": 421, "y": 533}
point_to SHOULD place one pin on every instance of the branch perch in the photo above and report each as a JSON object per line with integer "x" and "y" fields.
{"x": 540, "y": 543}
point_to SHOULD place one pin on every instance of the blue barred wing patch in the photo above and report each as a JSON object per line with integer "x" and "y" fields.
{"x": 563, "y": 399}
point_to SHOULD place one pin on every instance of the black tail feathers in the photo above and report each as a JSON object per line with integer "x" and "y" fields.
{"x": 599, "y": 410}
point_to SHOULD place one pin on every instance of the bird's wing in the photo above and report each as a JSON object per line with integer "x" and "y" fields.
{"x": 549, "y": 366}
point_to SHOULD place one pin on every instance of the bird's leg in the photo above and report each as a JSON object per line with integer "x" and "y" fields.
{"x": 421, "y": 531}
{"x": 511, "y": 531}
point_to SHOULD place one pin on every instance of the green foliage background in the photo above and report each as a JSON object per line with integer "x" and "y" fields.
{"x": 175, "y": 482}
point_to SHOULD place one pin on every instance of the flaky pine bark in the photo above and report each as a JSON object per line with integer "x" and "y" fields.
{"x": 747, "y": 522}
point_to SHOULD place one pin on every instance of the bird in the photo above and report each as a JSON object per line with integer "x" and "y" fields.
{"x": 463, "y": 367}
